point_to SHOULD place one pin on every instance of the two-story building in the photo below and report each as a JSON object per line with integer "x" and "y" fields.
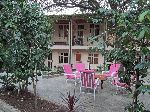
{"x": 71, "y": 42}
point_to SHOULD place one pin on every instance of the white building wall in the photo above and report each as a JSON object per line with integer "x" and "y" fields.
{"x": 65, "y": 48}
{"x": 55, "y": 57}
{"x": 46, "y": 62}
{"x": 86, "y": 34}
{"x": 84, "y": 59}
{"x": 100, "y": 62}
{"x": 56, "y": 37}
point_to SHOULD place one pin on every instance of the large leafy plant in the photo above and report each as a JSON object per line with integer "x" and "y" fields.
{"x": 25, "y": 37}
{"x": 131, "y": 27}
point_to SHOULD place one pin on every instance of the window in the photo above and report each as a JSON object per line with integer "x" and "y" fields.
{"x": 94, "y": 29}
{"x": 80, "y": 27}
{"x": 49, "y": 64}
{"x": 147, "y": 58}
{"x": 50, "y": 60}
{"x": 63, "y": 30}
{"x": 93, "y": 58}
{"x": 80, "y": 30}
{"x": 63, "y": 58}
{"x": 50, "y": 56}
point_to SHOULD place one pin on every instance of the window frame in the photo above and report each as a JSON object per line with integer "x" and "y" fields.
{"x": 80, "y": 32}
{"x": 94, "y": 28}
{"x": 92, "y": 57}
{"x": 63, "y": 32}
{"x": 62, "y": 57}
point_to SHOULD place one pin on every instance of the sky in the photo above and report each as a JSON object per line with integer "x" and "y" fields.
{"x": 68, "y": 11}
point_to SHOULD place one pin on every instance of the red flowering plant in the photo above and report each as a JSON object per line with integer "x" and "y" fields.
{"x": 70, "y": 100}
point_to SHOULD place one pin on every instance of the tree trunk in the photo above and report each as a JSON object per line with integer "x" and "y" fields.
{"x": 136, "y": 93}
{"x": 34, "y": 88}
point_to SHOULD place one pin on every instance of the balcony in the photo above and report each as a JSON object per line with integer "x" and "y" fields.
{"x": 80, "y": 47}
{"x": 60, "y": 45}
{"x": 77, "y": 41}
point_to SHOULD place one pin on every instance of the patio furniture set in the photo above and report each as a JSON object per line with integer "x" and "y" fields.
{"x": 90, "y": 79}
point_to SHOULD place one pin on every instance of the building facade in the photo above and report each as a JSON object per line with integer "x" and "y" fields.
{"x": 71, "y": 42}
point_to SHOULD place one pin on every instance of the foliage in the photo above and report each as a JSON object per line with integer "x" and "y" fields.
{"x": 139, "y": 108}
{"x": 131, "y": 27}
{"x": 84, "y": 6}
{"x": 60, "y": 69}
{"x": 24, "y": 39}
{"x": 7, "y": 81}
{"x": 99, "y": 68}
{"x": 56, "y": 70}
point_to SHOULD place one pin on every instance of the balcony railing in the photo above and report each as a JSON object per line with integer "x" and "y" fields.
{"x": 77, "y": 41}
{"x": 60, "y": 43}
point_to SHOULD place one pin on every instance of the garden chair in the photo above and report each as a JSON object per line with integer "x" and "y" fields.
{"x": 88, "y": 80}
{"x": 120, "y": 85}
{"x": 69, "y": 73}
{"x": 113, "y": 71}
{"x": 79, "y": 67}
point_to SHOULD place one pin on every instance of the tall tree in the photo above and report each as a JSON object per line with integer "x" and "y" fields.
{"x": 131, "y": 26}
{"x": 25, "y": 37}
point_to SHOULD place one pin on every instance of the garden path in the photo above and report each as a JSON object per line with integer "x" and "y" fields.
{"x": 7, "y": 108}
{"x": 106, "y": 99}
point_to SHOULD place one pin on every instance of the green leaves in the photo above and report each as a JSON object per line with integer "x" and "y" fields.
{"x": 124, "y": 34}
{"x": 9, "y": 24}
{"x": 17, "y": 35}
{"x": 145, "y": 30}
{"x": 130, "y": 22}
{"x": 101, "y": 10}
{"x": 142, "y": 33}
{"x": 141, "y": 65}
{"x": 24, "y": 38}
{"x": 145, "y": 14}
{"x": 145, "y": 51}
{"x": 144, "y": 88}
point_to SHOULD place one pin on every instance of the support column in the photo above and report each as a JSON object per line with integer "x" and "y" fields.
{"x": 70, "y": 41}
{"x": 105, "y": 38}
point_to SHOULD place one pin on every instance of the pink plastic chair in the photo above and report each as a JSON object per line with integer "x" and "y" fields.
{"x": 80, "y": 67}
{"x": 119, "y": 84}
{"x": 88, "y": 80}
{"x": 69, "y": 74}
{"x": 113, "y": 71}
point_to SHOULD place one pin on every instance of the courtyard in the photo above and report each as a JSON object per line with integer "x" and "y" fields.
{"x": 104, "y": 33}
{"x": 106, "y": 99}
